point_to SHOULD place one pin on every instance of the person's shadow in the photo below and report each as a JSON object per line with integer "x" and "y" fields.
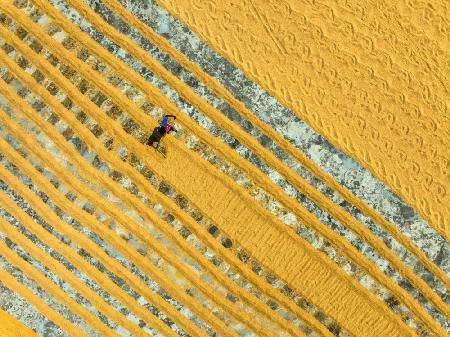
{"x": 155, "y": 137}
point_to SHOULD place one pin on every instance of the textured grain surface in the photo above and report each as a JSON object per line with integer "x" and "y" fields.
{"x": 11, "y": 327}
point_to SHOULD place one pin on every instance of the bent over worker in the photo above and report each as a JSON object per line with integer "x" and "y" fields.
{"x": 164, "y": 128}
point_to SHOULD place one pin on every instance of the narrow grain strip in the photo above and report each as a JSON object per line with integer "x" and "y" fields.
{"x": 12, "y": 327}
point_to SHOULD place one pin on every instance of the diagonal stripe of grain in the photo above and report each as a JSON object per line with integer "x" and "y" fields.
{"x": 43, "y": 281}
{"x": 17, "y": 287}
{"x": 297, "y": 181}
{"x": 11, "y": 327}
{"x": 363, "y": 261}
{"x": 285, "y": 145}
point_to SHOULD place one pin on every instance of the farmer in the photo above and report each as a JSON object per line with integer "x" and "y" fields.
{"x": 164, "y": 128}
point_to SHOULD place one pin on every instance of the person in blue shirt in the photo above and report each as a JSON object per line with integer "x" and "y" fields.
{"x": 164, "y": 128}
